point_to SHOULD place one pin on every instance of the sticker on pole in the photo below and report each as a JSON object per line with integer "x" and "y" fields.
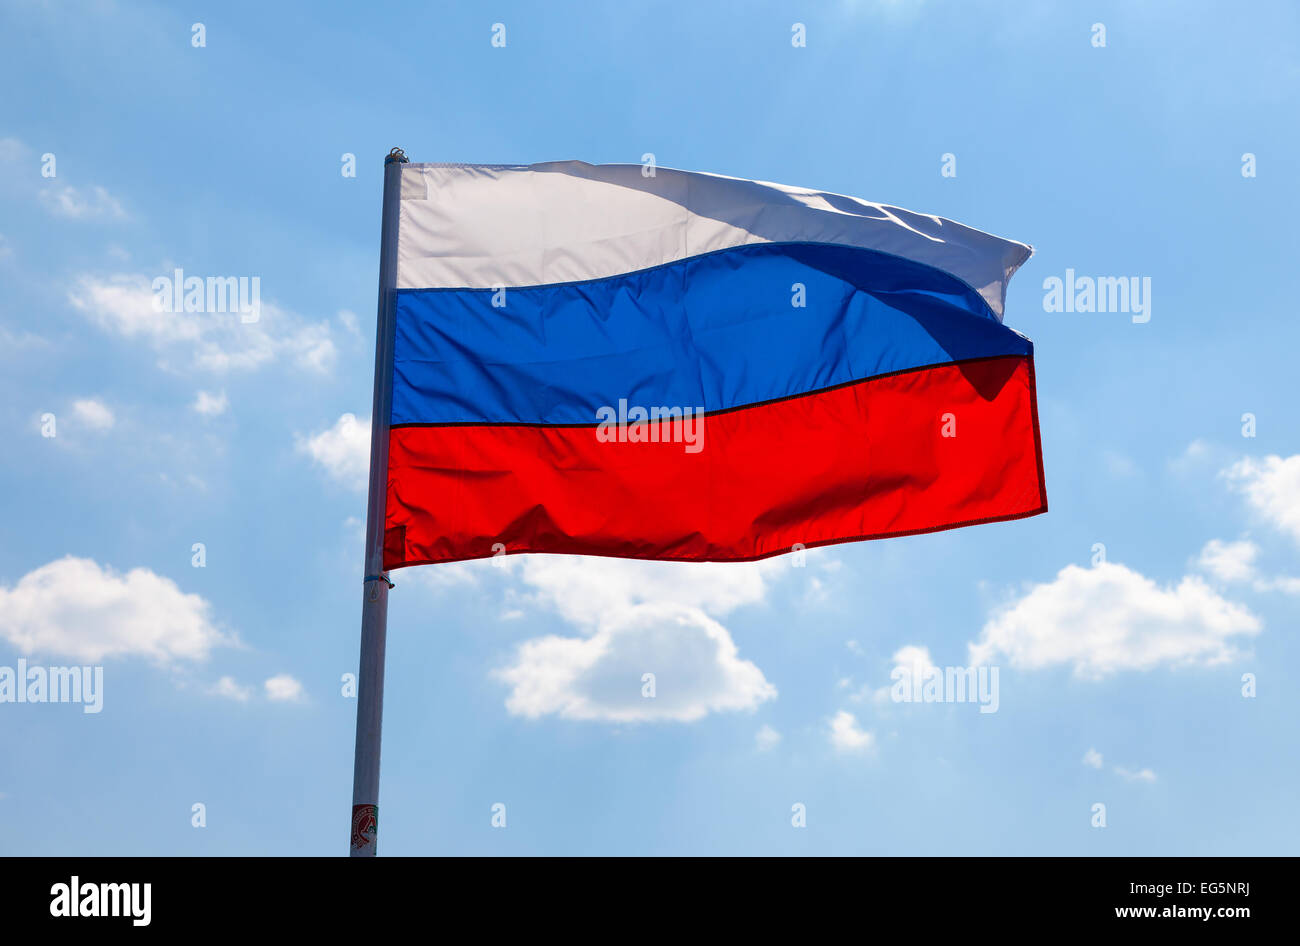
{"x": 365, "y": 825}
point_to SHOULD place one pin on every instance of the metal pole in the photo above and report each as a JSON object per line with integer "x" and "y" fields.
{"x": 375, "y": 584}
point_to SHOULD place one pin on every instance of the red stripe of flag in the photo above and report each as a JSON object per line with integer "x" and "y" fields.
{"x": 860, "y": 461}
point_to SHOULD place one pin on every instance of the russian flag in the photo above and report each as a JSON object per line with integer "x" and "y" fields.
{"x": 655, "y": 364}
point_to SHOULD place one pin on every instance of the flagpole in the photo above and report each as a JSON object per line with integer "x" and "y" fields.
{"x": 364, "y": 836}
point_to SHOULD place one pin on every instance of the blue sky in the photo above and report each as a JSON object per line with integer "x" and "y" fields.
{"x": 1121, "y": 681}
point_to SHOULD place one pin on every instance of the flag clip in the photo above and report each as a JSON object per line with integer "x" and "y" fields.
{"x": 384, "y": 578}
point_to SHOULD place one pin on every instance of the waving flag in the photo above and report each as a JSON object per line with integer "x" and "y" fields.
{"x": 607, "y": 361}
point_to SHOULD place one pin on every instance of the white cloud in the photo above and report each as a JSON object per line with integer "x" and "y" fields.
{"x": 124, "y": 304}
{"x": 1197, "y": 453}
{"x": 1142, "y": 775}
{"x": 1229, "y": 561}
{"x": 93, "y": 413}
{"x": 1109, "y": 618}
{"x": 636, "y": 618}
{"x": 913, "y": 665}
{"x": 343, "y": 451}
{"x": 913, "y": 662}
{"x": 1285, "y": 584}
{"x": 1092, "y": 759}
{"x": 63, "y": 200}
{"x": 348, "y": 319}
{"x": 816, "y": 593}
{"x": 846, "y": 736}
{"x": 73, "y": 607}
{"x": 449, "y": 574}
{"x": 913, "y": 655}
{"x": 283, "y": 688}
{"x": 218, "y": 342}
{"x": 309, "y": 346}
{"x": 231, "y": 690}
{"x": 590, "y": 590}
{"x": 12, "y": 342}
{"x": 211, "y": 405}
{"x": 76, "y": 204}
{"x": 767, "y": 738}
{"x": 696, "y": 667}
{"x": 1272, "y": 487}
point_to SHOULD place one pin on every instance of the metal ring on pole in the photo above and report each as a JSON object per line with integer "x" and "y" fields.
{"x": 397, "y": 156}
{"x": 383, "y": 578}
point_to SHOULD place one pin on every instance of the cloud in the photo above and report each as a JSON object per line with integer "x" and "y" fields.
{"x": 211, "y": 405}
{"x": 846, "y": 736}
{"x": 1109, "y": 618}
{"x": 766, "y": 738}
{"x": 216, "y": 342}
{"x": 452, "y": 574}
{"x": 1234, "y": 562}
{"x": 1092, "y": 759}
{"x": 62, "y": 200}
{"x": 93, "y": 414}
{"x": 231, "y": 690}
{"x": 1272, "y": 487}
{"x": 1283, "y": 583}
{"x": 343, "y": 451}
{"x": 914, "y": 666}
{"x": 76, "y": 608}
{"x": 349, "y": 321}
{"x": 1229, "y": 561}
{"x": 636, "y": 618}
{"x": 12, "y": 342}
{"x": 1195, "y": 455}
{"x": 76, "y": 204}
{"x": 283, "y": 688}
{"x": 1142, "y": 775}
{"x": 696, "y": 667}
{"x": 124, "y": 304}
{"x": 589, "y": 590}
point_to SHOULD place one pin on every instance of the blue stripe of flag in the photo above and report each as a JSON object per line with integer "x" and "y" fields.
{"x": 716, "y": 331}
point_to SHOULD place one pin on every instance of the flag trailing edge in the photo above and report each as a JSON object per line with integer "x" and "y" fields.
{"x": 588, "y": 359}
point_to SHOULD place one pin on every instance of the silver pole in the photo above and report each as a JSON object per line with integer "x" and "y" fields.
{"x": 375, "y": 584}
